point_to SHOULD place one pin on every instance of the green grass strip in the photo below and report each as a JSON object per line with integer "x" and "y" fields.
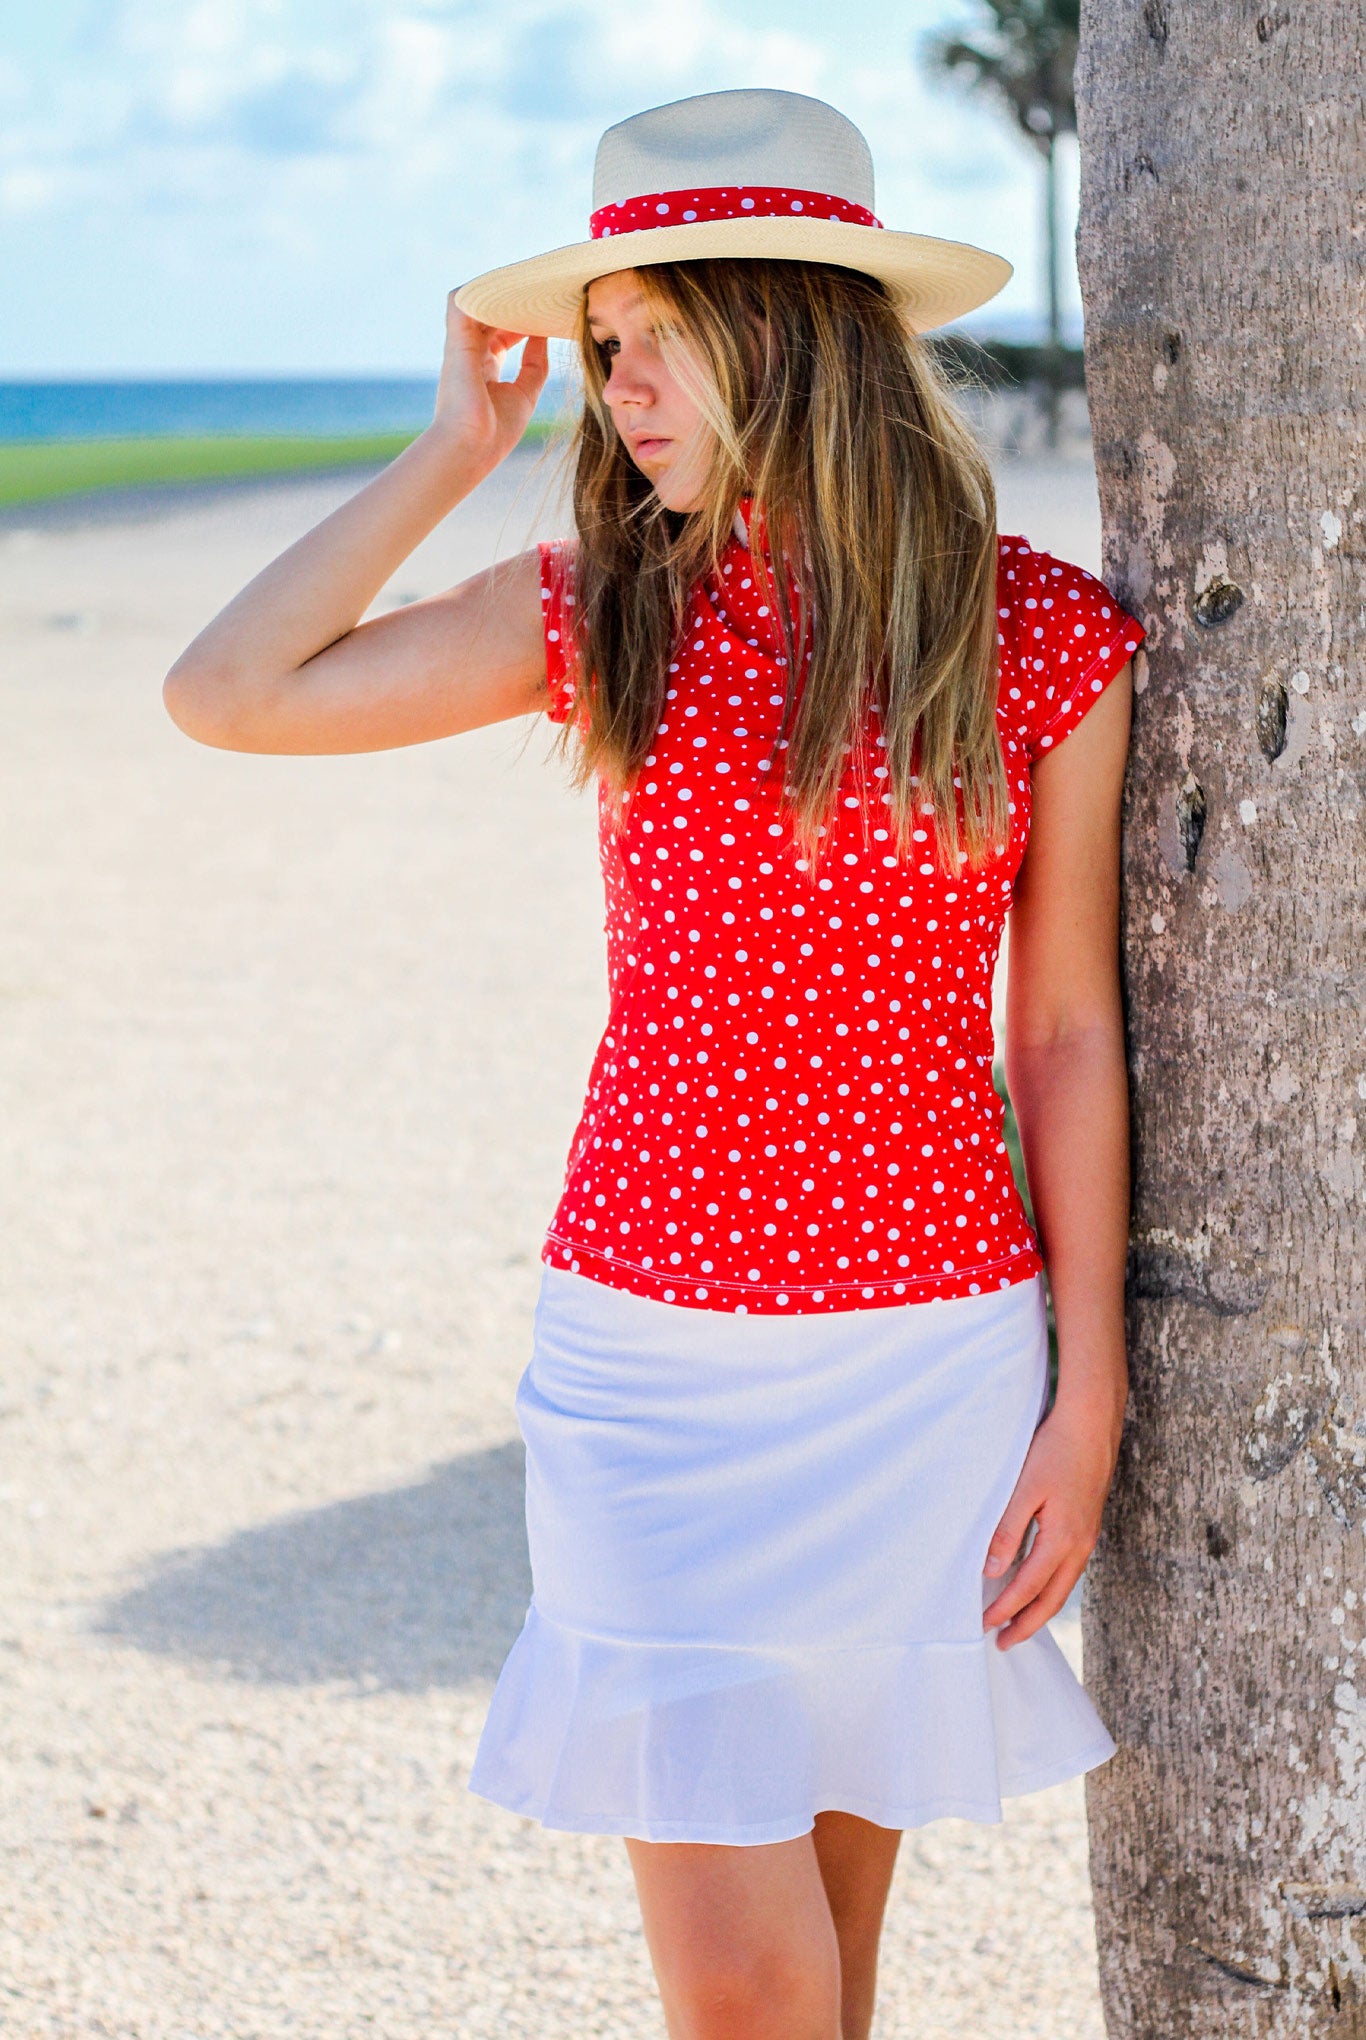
{"x": 34, "y": 471}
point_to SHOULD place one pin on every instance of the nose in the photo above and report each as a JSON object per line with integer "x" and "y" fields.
{"x": 626, "y": 383}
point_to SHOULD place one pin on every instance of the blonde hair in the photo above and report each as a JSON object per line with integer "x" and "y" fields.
{"x": 844, "y": 429}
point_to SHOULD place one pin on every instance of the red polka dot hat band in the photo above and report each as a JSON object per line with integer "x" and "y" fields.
{"x": 724, "y": 202}
{"x": 750, "y": 176}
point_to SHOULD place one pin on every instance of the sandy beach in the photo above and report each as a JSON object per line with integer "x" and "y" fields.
{"x": 292, "y": 1051}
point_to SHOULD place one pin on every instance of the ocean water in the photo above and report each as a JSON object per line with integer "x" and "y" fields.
{"x": 324, "y": 407}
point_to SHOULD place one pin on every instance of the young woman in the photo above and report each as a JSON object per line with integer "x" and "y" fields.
{"x": 786, "y": 1413}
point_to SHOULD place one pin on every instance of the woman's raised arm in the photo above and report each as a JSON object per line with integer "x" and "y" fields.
{"x": 287, "y": 666}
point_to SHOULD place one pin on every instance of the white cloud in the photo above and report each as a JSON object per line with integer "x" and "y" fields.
{"x": 345, "y": 161}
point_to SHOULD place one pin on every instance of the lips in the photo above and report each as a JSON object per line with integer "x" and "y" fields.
{"x": 646, "y": 448}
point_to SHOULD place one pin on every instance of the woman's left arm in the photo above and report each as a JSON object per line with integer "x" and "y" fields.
{"x": 1065, "y": 1069}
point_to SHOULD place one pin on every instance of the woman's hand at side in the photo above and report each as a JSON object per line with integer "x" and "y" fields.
{"x": 287, "y": 666}
{"x": 1063, "y": 1484}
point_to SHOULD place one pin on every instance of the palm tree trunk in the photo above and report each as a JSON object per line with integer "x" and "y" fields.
{"x": 1221, "y": 250}
{"x": 1050, "y": 200}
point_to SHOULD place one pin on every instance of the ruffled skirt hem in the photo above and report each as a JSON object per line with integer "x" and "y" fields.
{"x": 704, "y": 1742}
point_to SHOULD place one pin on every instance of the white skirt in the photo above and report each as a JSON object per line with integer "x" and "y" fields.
{"x": 756, "y": 1550}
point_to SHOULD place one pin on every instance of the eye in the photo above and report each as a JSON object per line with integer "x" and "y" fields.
{"x": 607, "y": 349}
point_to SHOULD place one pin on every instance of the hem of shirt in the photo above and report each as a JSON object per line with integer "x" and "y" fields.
{"x": 711, "y": 1292}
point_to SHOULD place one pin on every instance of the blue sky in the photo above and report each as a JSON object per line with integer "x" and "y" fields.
{"x": 293, "y": 185}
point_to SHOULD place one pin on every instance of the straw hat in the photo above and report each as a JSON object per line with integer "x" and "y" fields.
{"x": 750, "y": 173}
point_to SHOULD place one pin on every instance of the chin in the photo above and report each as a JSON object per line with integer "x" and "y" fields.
{"x": 678, "y": 496}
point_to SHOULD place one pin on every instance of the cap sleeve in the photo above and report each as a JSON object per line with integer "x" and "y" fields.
{"x": 557, "y": 619}
{"x": 1069, "y": 637}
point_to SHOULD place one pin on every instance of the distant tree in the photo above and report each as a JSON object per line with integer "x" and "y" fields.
{"x": 1022, "y": 59}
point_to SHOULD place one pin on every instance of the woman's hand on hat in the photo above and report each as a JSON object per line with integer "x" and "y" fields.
{"x": 485, "y": 416}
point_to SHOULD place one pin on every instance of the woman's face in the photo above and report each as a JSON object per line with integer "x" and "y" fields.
{"x": 660, "y": 425}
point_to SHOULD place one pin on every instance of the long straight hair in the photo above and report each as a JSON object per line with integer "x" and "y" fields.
{"x": 869, "y": 482}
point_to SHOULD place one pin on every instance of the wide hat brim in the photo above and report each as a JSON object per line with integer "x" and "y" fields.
{"x": 931, "y": 281}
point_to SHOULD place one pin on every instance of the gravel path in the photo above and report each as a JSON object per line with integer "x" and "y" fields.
{"x": 291, "y": 1051}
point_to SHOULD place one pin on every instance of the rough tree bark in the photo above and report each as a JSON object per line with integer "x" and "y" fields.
{"x": 1222, "y": 247}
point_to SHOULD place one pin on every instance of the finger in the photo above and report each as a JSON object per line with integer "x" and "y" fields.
{"x": 1010, "y": 1609}
{"x": 1046, "y": 1554}
{"x": 527, "y": 381}
{"x": 500, "y": 339}
{"x": 474, "y": 336}
{"x": 535, "y": 365}
{"x": 460, "y": 326}
{"x": 1040, "y": 1610}
{"x": 470, "y": 344}
{"x": 1010, "y": 1531}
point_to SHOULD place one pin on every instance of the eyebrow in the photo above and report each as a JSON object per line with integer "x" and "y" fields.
{"x": 601, "y": 319}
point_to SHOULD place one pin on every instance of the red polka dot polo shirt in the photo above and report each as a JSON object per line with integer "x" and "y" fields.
{"x": 791, "y": 1108}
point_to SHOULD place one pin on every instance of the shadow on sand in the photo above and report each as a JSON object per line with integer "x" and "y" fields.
{"x": 417, "y": 1587}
